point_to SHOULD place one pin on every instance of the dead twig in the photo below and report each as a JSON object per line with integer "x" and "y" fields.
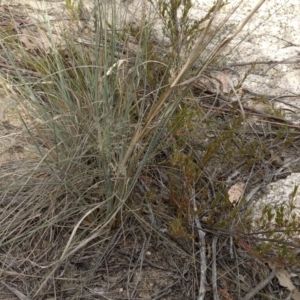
{"x": 214, "y": 268}
{"x": 260, "y": 286}
{"x": 266, "y": 62}
{"x": 271, "y": 97}
{"x": 201, "y": 235}
{"x": 253, "y": 111}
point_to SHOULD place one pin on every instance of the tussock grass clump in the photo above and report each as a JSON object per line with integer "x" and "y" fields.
{"x": 122, "y": 146}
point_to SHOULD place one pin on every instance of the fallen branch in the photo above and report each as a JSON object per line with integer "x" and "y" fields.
{"x": 201, "y": 234}
{"x": 260, "y": 286}
{"x": 214, "y": 268}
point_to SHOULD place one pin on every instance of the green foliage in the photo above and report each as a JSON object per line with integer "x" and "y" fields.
{"x": 73, "y": 8}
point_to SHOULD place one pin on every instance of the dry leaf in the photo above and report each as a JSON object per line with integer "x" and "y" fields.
{"x": 225, "y": 294}
{"x": 236, "y": 192}
{"x": 285, "y": 281}
{"x": 224, "y": 80}
{"x": 31, "y": 42}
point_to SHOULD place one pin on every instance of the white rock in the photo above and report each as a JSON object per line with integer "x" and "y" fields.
{"x": 281, "y": 192}
{"x": 291, "y": 82}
